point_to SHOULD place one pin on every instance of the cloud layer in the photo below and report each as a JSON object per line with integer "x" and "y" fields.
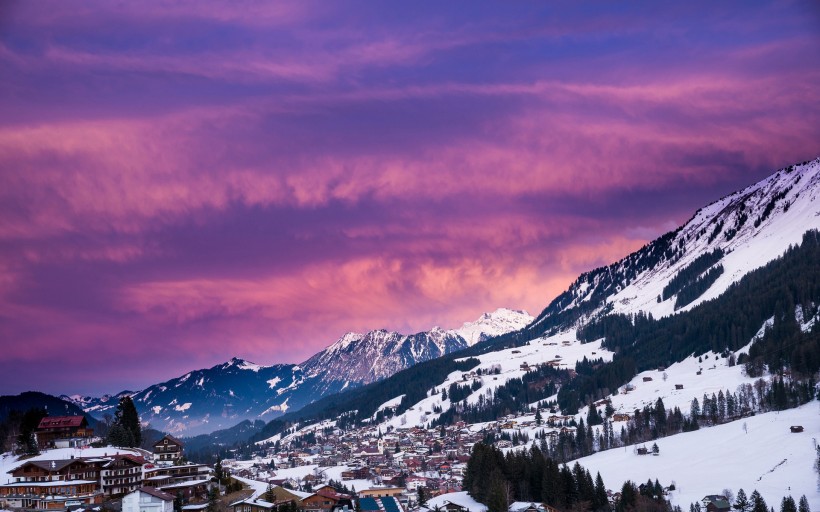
{"x": 181, "y": 183}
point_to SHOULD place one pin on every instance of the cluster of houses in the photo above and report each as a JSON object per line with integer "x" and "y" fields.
{"x": 60, "y": 483}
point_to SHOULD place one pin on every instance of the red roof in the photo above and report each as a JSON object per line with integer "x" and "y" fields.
{"x": 61, "y": 421}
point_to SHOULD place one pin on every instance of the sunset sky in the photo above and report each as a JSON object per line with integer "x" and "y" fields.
{"x": 184, "y": 182}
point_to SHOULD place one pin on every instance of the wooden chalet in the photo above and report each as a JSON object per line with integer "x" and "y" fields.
{"x": 68, "y": 430}
{"x": 796, "y": 429}
{"x": 53, "y": 485}
{"x": 168, "y": 449}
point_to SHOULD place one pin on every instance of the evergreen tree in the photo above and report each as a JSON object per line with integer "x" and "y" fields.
{"x": 804, "y": 504}
{"x": 629, "y": 497}
{"x": 213, "y": 499}
{"x": 758, "y": 503}
{"x": 788, "y": 504}
{"x": 742, "y": 502}
{"x": 126, "y": 430}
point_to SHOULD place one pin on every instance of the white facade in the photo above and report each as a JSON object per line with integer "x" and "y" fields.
{"x": 140, "y": 501}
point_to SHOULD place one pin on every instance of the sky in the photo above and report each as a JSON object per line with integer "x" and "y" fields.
{"x": 183, "y": 182}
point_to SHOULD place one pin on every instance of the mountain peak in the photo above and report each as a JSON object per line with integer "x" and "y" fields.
{"x": 500, "y": 321}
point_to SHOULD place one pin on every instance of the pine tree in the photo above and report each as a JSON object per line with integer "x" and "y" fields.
{"x": 126, "y": 429}
{"x": 804, "y": 504}
{"x": 758, "y": 503}
{"x": 788, "y": 504}
{"x": 742, "y": 502}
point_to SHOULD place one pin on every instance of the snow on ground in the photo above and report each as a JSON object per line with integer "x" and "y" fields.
{"x": 562, "y": 347}
{"x": 751, "y": 248}
{"x": 716, "y": 375}
{"x": 764, "y": 455}
{"x": 459, "y": 498}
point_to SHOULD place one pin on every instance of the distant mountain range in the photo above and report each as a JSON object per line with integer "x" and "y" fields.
{"x": 206, "y": 400}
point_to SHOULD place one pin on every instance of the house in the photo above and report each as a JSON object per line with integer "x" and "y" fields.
{"x": 678, "y": 386}
{"x": 147, "y": 499}
{"x": 796, "y": 429}
{"x": 643, "y": 450}
{"x": 53, "y": 484}
{"x": 121, "y": 474}
{"x": 525, "y": 506}
{"x": 716, "y": 503}
{"x": 63, "y": 432}
{"x": 454, "y": 507}
{"x": 620, "y": 417}
{"x": 647, "y": 379}
{"x": 168, "y": 449}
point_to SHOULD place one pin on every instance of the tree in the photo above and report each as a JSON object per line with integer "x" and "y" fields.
{"x": 655, "y": 448}
{"x": 126, "y": 418}
{"x": 629, "y": 496}
{"x": 423, "y": 496}
{"x": 804, "y": 504}
{"x": 742, "y": 502}
{"x": 213, "y": 499}
{"x": 28, "y": 425}
{"x": 788, "y": 504}
{"x": 538, "y": 418}
{"x": 758, "y": 503}
{"x": 269, "y": 496}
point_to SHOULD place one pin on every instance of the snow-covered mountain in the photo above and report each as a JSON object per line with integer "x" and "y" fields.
{"x": 720, "y": 245}
{"x": 205, "y": 400}
{"x": 726, "y": 240}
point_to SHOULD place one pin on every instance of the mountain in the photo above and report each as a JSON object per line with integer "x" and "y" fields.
{"x": 737, "y": 264}
{"x": 215, "y": 398}
{"x": 33, "y": 399}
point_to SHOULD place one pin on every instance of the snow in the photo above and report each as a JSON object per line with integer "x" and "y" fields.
{"x": 751, "y": 248}
{"x": 274, "y": 381}
{"x": 157, "y": 409}
{"x": 500, "y": 321}
{"x": 509, "y": 361}
{"x": 183, "y": 407}
{"x": 765, "y": 456}
{"x": 459, "y": 498}
{"x": 247, "y": 365}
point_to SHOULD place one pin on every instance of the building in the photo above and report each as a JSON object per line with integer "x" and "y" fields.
{"x": 53, "y": 484}
{"x": 381, "y": 492}
{"x": 716, "y": 503}
{"x": 121, "y": 474}
{"x": 191, "y": 480}
{"x": 168, "y": 449}
{"x": 147, "y": 499}
{"x": 63, "y": 432}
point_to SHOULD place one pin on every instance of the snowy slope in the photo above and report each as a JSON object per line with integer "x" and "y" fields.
{"x": 765, "y": 456}
{"x": 752, "y": 227}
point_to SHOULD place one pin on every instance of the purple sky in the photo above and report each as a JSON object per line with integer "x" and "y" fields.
{"x": 183, "y": 182}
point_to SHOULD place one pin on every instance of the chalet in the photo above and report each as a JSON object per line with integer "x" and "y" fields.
{"x": 168, "y": 449}
{"x": 319, "y": 503}
{"x": 796, "y": 429}
{"x": 52, "y": 484}
{"x": 121, "y": 474}
{"x": 191, "y": 480}
{"x": 678, "y": 386}
{"x": 524, "y": 366}
{"x": 647, "y": 379}
{"x": 716, "y": 503}
{"x": 356, "y": 473}
{"x": 63, "y": 432}
{"x": 147, "y": 499}
{"x": 642, "y": 450}
{"x": 525, "y": 506}
{"x": 449, "y": 506}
